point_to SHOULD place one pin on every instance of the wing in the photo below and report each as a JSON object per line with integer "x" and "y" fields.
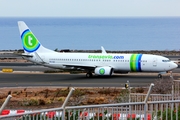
{"x": 80, "y": 66}
{"x": 23, "y": 55}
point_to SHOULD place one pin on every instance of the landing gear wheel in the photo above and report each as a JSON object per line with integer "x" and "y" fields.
{"x": 89, "y": 75}
{"x": 159, "y": 76}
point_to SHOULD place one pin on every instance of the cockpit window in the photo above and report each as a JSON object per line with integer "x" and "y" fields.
{"x": 166, "y": 60}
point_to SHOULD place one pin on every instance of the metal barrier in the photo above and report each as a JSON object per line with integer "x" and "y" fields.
{"x": 145, "y": 110}
{"x": 175, "y": 95}
{"x": 158, "y": 110}
{"x": 176, "y": 89}
{"x": 138, "y": 97}
{"x": 5, "y": 103}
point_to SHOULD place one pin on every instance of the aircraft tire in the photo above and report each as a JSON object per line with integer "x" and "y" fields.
{"x": 159, "y": 76}
{"x": 89, "y": 75}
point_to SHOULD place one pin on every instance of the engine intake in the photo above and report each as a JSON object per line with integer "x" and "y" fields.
{"x": 103, "y": 70}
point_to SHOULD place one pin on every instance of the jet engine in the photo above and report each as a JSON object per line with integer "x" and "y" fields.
{"x": 103, "y": 70}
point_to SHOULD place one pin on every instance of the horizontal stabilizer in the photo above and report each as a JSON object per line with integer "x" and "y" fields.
{"x": 23, "y": 55}
{"x": 26, "y": 55}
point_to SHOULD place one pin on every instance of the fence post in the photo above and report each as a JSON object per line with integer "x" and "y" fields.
{"x": 129, "y": 89}
{"x": 65, "y": 102}
{"x": 5, "y": 103}
{"x": 172, "y": 105}
{"x": 171, "y": 76}
{"x": 146, "y": 99}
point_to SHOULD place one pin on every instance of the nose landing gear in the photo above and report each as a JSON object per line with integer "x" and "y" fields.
{"x": 160, "y": 74}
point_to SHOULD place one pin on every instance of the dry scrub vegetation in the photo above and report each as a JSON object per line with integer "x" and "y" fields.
{"x": 38, "y": 98}
{"x": 53, "y": 97}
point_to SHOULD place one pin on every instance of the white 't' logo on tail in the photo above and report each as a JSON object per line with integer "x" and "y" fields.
{"x": 30, "y": 40}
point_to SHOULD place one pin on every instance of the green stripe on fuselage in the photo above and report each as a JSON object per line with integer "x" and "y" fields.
{"x": 133, "y": 62}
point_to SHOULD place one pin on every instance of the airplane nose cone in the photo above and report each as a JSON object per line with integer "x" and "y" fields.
{"x": 174, "y": 65}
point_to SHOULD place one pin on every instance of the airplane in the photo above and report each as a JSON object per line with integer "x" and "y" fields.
{"x": 100, "y": 64}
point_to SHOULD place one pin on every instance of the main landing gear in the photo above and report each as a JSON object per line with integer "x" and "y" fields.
{"x": 159, "y": 76}
{"x": 89, "y": 74}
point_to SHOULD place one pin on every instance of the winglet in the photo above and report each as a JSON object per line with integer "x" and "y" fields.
{"x": 103, "y": 50}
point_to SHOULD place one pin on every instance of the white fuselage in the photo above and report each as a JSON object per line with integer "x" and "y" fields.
{"x": 119, "y": 62}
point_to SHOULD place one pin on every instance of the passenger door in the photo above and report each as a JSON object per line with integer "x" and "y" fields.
{"x": 154, "y": 62}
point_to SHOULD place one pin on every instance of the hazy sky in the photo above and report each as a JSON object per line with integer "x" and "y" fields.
{"x": 89, "y": 8}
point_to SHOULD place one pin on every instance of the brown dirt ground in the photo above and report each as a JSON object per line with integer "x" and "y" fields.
{"x": 51, "y": 97}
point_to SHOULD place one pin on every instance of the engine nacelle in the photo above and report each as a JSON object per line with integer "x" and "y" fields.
{"x": 103, "y": 70}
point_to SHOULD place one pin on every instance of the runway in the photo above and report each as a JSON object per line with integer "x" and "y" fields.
{"x": 34, "y": 67}
{"x": 75, "y": 80}
{"x": 31, "y": 75}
